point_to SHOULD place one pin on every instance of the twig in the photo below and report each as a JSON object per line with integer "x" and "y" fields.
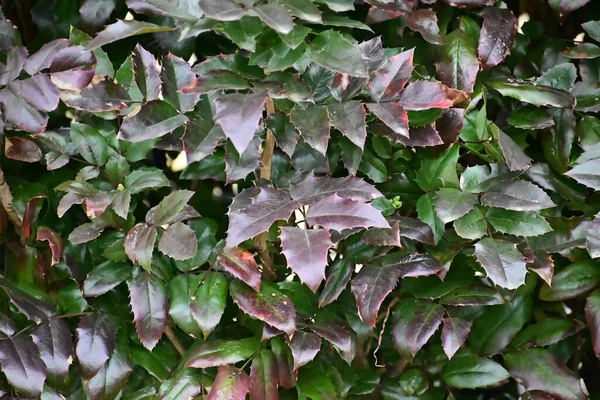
{"x": 174, "y": 340}
{"x": 265, "y": 173}
{"x": 6, "y": 199}
{"x": 380, "y": 338}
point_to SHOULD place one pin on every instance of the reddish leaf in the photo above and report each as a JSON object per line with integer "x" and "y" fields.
{"x": 411, "y": 265}
{"x": 269, "y": 305}
{"x": 176, "y": 74}
{"x": 104, "y": 277}
{"x": 96, "y": 338}
{"x": 370, "y": 287}
{"x": 389, "y": 79}
{"x": 101, "y": 95}
{"x": 502, "y": 262}
{"x": 377, "y": 15}
{"x": 423, "y": 95}
{"x": 414, "y": 322}
{"x": 220, "y": 352}
{"x": 306, "y": 253}
{"x": 450, "y": 124}
{"x": 454, "y": 334}
{"x": 201, "y": 138}
{"x": 22, "y": 365}
{"x": 421, "y": 136}
{"x": 239, "y": 116}
{"x": 147, "y": 73}
{"x": 21, "y": 149}
{"x": 34, "y": 309}
{"x": 497, "y": 36}
{"x": 414, "y": 229}
{"x": 304, "y": 346}
{"x": 264, "y": 208}
{"x": 19, "y": 113}
{"x": 425, "y": 22}
{"x": 335, "y": 212}
{"x": 349, "y": 118}
{"x": 150, "y": 308}
{"x": 107, "y": 383}
{"x": 230, "y": 383}
{"x": 382, "y": 236}
{"x": 592, "y": 315}
{"x": 543, "y": 265}
{"x": 53, "y": 340}
{"x": 139, "y": 244}
{"x": 459, "y": 65}
{"x": 314, "y": 188}
{"x": 178, "y": 242}
{"x": 264, "y": 376}
{"x": 30, "y": 214}
{"x": 40, "y": 93}
{"x": 393, "y": 115}
{"x": 154, "y": 119}
{"x": 337, "y": 280}
{"x": 240, "y": 263}
{"x": 269, "y": 332}
{"x": 341, "y": 336}
{"x": 285, "y": 362}
{"x": 313, "y": 124}
{"x": 72, "y": 68}
{"x": 43, "y": 57}
{"x": 57, "y": 246}
{"x": 470, "y": 3}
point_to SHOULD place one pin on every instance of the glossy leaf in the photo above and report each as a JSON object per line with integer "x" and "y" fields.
{"x": 333, "y": 51}
{"x": 497, "y": 36}
{"x": 150, "y": 308}
{"x": 123, "y": 29}
{"x": 304, "y": 346}
{"x": 517, "y": 196}
{"x": 34, "y": 309}
{"x": 313, "y": 124}
{"x": 502, "y": 262}
{"x": 107, "y": 383}
{"x": 451, "y": 204}
{"x": 210, "y": 301}
{"x": 139, "y": 244}
{"x": 592, "y": 315}
{"x": 518, "y": 223}
{"x": 105, "y": 277}
{"x": 264, "y": 376}
{"x": 572, "y": 281}
{"x": 454, "y": 334}
{"x": 390, "y": 78}
{"x": 472, "y": 225}
{"x": 474, "y": 295}
{"x": 240, "y": 263}
{"x": 147, "y": 73}
{"x": 337, "y": 280}
{"x": 40, "y": 93}
{"x": 54, "y": 342}
{"x": 349, "y": 118}
{"x": 231, "y": 383}
{"x": 178, "y": 242}
{"x": 468, "y": 371}
{"x": 340, "y": 336}
{"x": 335, "y": 212}
{"x": 425, "y": 22}
{"x": 22, "y": 365}
{"x": 154, "y": 119}
{"x": 537, "y": 95}
{"x": 218, "y": 352}
{"x": 96, "y": 338}
{"x": 176, "y": 74}
{"x": 370, "y": 287}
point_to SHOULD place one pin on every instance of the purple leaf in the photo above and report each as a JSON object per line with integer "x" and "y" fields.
{"x": 153, "y": 120}
{"x": 150, "y": 308}
{"x": 21, "y": 149}
{"x": 104, "y": 277}
{"x": 341, "y": 336}
{"x": 57, "y": 246}
{"x": 239, "y": 166}
{"x": 383, "y": 236}
{"x": 459, "y": 65}
{"x": 123, "y": 29}
{"x": 147, "y": 73}
{"x": 178, "y": 242}
{"x": 19, "y": 113}
{"x": 304, "y": 346}
{"x": 502, "y": 262}
{"x": 53, "y": 340}
{"x": 86, "y": 232}
{"x": 107, "y": 383}
{"x": 349, "y": 118}
{"x": 230, "y": 383}
{"x": 269, "y": 332}
{"x": 393, "y": 115}
{"x": 283, "y": 130}
{"x": 221, "y": 352}
{"x": 411, "y": 265}
{"x": 450, "y": 124}
{"x": 421, "y": 136}
{"x": 425, "y": 22}
{"x": 568, "y": 6}
{"x": 470, "y": 3}
{"x": 72, "y": 68}
{"x": 306, "y": 253}
{"x": 269, "y": 305}
{"x": 239, "y": 116}
{"x": 414, "y": 229}
{"x": 43, "y": 57}
{"x": 335, "y": 212}
{"x": 201, "y": 138}
{"x": 314, "y": 188}
{"x": 101, "y": 95}
{"x": 592, "y": 316}
{"x": 22, "y": 365}
{"x": 337, "y": 280}
{"x": 377, "y": 15}
{"x": 543, "y": 265}
{"x": 454, "y": 334}
{"x": 240, "y": 263}
{"x": 264, "y": 376}
{"x": 40, "y": 93}
{"x": 139, "y": 244}
{"x": 95, "y": 14}
{"x": 370, "y": 287}
{"x": 515, "y": 157}
{"x": 35, "y": 310}
{"x": 471, "y": 296}
{"x": 413, "y": 324}
{"x": 389, "y": 79}
{"x": 497, "y": 36}
{"x": 96, "y": 339}
{"x": 517, "y": 196}
{"x": 423, "y": 95}
{"x": 285, "y": 362}
{"x": 313, "y": 124}
{"x": 176, "y": 74}
{"x": 266, "y": 207}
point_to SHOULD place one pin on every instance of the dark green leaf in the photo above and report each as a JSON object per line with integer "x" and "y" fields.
{"x": 123, "y": 29}
{"x": 468, "y": 371}
{"x": 218, "y": 352}
{"x": 150, "y": 308}
{"x": 333, "y": 51}
{"x": 153, "y": 120}
{"x": 572, "y": 281}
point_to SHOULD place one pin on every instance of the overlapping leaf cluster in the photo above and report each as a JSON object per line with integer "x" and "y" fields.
{"x": 300, "y": 199}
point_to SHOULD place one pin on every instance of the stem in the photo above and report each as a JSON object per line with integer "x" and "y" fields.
{"x": 380, "y": 337}
{"x": 265, "y": 173}
{"x": 174, "y": 340}
{"x": 6, "y": 199}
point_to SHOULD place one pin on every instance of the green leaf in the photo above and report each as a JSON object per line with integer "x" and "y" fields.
{"x": 593, "y": 29}
{"x": 531, "y": 93}
{"x": 547, "y": 332}
{"x": 170, "y": 206}
{"x": 315, "y": 383}
{"x": 451, "y": 204}
{"x": 560, "y": 76}
{"x": 144, "y": 179}
{"x": 572, "y": 281}
{"x": 182, "y": 292}
{"x": 439, "y": 172}
{"x": 472, "y": 225}
{"x": 153, "y": 120}
{"x": 205, "y": 231}
{"x": 303, "y": 9}
{"x": 333, "y": 51}
{"x": 221, "y": 352}
{"x": 427, "y": 214}
{"x": 210, "y": 300}
{"x": 467, "y": 371}
{"x": 473, "y": 295}
{"x": 123, "y": 29}
{"x": 105, "y": 277}
{"x": 527, "y": 223}
{"x": 502, "y": 262}
{"x": 530, "y": 117}
{"x": 275, "y": 16}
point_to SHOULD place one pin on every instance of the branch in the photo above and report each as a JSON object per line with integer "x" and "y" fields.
{"x": 174, "y": 340}
{"x": 6, "y": 199}
{"x": 265, "y": 173}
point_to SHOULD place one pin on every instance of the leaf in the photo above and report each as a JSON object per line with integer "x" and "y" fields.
{"x": 221, "y": 352}
{"x": 582, "y": 51}
{"x": 169, "y": 208}
{"x": 313, "y": 124}
{"x": 19, "y": 113}
{"x": 515, "y": 157}
{"x": 268, "y": 305}
{"x": 21, "y": 149}
{"x": 472, "y": 225}
{"x": 147, "y": 73}
{"x": 439, "y": 172}
{"x": 54, "y": 342}
{"x": 572, "y": 281}
{"x": 265, "y": 207}
{"x": 315, "y": 188}
{"x": 383, "y": 237}
{"x": 124, "y": 29}
{"x": 40, "y": 93}
{"x": 230, "y": 383}
{"x": 414, "y": 229}
{"x": 95, "y": 14}
{"x": 547, "y": 332}
{"x": 178, "y": 242}
{"x": 423, "y": 321}
{"x": 423, "y": 95}
{"x": 349, "y": 118}
{"x": 150, "y": 308}
{"x": 389, "y": 79}
{"x": 592, "y": 316}
{"x": 587, "y": 173}
{"x": 107, "y": 383}
{"x": 96, "y": 338}
{"x": 497, "y": 36}
{"x": 498, "y": 325}
{"x": 42, "y": 58}
{"x": 333, "y": 51}
{"x": 35, "y": 310}
{"x": 531, "y": 93}
{"x": 426, "y": 23}
{"x": 411, "y": 265}
{"x": 263, "y": 376}
{"x": 22, "y": 365}
{"x": 517, "y": 196}
{"x": 219, "y": 79}
{"x": 316, "y": 383}
{"x": 239, "y": 116}
{"x": 184, "y": 384}
{"x": 451, "y": 204}
{"x": 335, "y": 212}
{"x": 427, "y": 214}
{"x": 303, "y": 9}
{"x": 154, "y": 119}
{"x": 176, "y": 74}
{"x": 467, "y": 371}
{"x": 518, "y": 223}
{"x": 275, "y": 16}
{"x": 72, "y": 68}
{"x": 538, "y": 369}
{"x": 342, "y": 337}
{"x": 393, "y": 115}
{"x": 105, "y": 277}
{"x": 145, "y": 178}
{"x": 560, "y": 76}
{"x": 502, "y": 262}
{"x": 481, "y": 178}
{"x": 139, "y": 244}
{"x": 530, "y": 117}
{"x": 472, "y": 295}
{"x": 226, "y": 10}
{"x": 337, "y": 280}
{"x": 470, "y": 3}
{"x": 91, "y": 144}
{"x": 306, "y": 252}
{"x": 304, "y": 346}
{"x": 454, "y": 334}
{"x": 370, "y": 287}
{"x": 240, "y": 263}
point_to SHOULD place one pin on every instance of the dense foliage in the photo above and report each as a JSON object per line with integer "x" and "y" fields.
{"x": 300, "y": 199}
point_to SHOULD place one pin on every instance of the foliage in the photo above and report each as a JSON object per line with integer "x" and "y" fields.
{"x": 300, "y": 199}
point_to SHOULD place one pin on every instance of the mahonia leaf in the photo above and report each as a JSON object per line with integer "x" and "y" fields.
{"x": 264, "y": 376}
{"x": 147, "y": 73}
{"x": 19, "y": 113}
{"x": 454, "y": 334}
{"x": 370, "y": 287}
{"x": 72, "y": 68}
{"x": 382, "y": 236}
{"x": 153, "y": 120}
{"x": 139, "y": 244}
{"x": 176, "y": 74}
{"x": 333, "y": 51}
{"x": 101, "y": 95}
{"x": 104, "y": 277}
{"x": 335, "y": 212}
{"x": 210, "y": 301}
{"x": 123, "y": 29}
{"x": 240, "y": 263}
{"x": 96, "y": 339}
{"x": 238, "y": 166}
{"x": 40, "y": 93}
{"x": 57, "y": 246}
{"x": 414, "y": 229}
{"x": 413, "y": 324}
{"x": 185, "y": 384}
{"x": 468, "y": 371}
{"x": 268, "y": 305}
{"x": 515, "y": 158}
{"x": 22, "y": 365}
{"x": 285, "y": 362}
{"x": 411, "y": 265}
{"x": 107, "y": 383}
{"x": 43, "y": 57}
{"x": 592, "y": 316}
{"x": 575, "y": 279}
{"x": 34, "y": 309}
{"x": 313, "y": 124}
{"x": 517, "y": 196}
{"x": 472, "y": 295}
{"x": 389, "y": 79}
{"x": 221, "y": 352}
{"x": 178, "y": 242}
{"x": 275, "y": 16}
{"x": 425, "y": 22}
{"x": 393, "y": 115}
{"x": 21, "y": 149}
{"x": 150, "y": 308}
{"x": 502, "y": 262}
{"x": 518, "y": 223}
{"x": 53, "y": 340}
{"x": 349, "y": 118}
{"x": 306, "y": 253}
{"x": 342, "y": 337}
{"x": 230, "y": 383}
{"x": 304, "y": 346}
{"x": 423, "y": 95}
{"x": 339, "y": 275}
{"x": 532, "y": 93}
{"x": 314, "y": 188}
{"x": 226, "y": 10}
{"x": 451, "y": 204}
{"x": 497, "y": 36}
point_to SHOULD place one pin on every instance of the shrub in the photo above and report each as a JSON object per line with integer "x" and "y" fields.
{"x": 300, "y": 199}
